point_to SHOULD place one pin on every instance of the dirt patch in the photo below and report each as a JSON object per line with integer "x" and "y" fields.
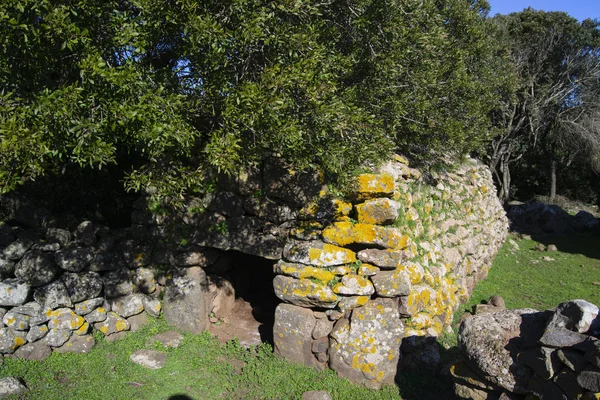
{"x": 240, "y": 324}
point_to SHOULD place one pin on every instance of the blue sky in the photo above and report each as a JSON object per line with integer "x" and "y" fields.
{"x": 580, "y": 9}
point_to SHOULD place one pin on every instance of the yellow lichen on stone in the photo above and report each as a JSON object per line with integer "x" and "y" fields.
{"x": 306, "y": 272}
{"x": 345, "y": 233}
{"x": 342, "y": 208}
{"x": 121, "y": 325}
{"x": 18, "y": 342}
{"x": 415, "y": 272}
{"x": 368, "y": 186}
{"x": 330, "y": 255}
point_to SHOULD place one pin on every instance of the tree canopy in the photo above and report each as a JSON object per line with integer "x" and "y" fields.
{"x": 173, "y": 92}
{"x": 549, "y": 115}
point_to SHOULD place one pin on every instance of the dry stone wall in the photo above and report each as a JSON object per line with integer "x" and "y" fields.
{"x": 395, "y": 261}
{"x": 355, "y": 275}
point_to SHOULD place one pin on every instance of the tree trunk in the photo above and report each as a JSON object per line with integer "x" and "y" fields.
{"x": 505, "y": 184}
{"x": 552, "y": 180}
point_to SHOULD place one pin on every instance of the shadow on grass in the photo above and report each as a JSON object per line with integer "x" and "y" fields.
{"x": 587, "y": 245}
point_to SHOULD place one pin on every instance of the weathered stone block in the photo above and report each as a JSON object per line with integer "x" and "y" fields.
{"x": 304, "y": 292}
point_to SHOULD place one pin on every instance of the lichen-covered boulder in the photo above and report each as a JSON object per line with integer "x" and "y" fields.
{"x": 152, "y": 306}
{"x": 11, "y": 340}
{"x": 491, "y": 342}
{"x": 370, "y": 186}
{"x": 292, "y": 333}
{"x": 97, "y": 315}
{"x": 144, "y": 279}
{"x": 384, "y": 259}
{"x": 87, "y": 306}
{"x": 74, "y": 259}
{"x": 18, "y": 322}
{"x": 187, "y": 300}
{"x": 392, "y": 283}
{"x": 304, "y": 292}
{"x": 354, "y": 285}
{"x": 13, "y": 292}
{"x": 53, "y": 295}
{"x": 57, "y": 336}
{"x": 365, "y": 348}
{"x": 36, "y": 333}
{"x": 317, "y": 253}
{"x": 112, "y": 324}
{"x": 378, "y": 212}
{"x": 301, "y": 271}
{"x": 117, "y": 283}
{"x": 346, "y": 233}
{"x": 17, "y": 249}
{"x": 129, "y": 305}
{"x": 36, "y": 268}
{"x": 83, "y": 286}
{"x": 64, "y": 318}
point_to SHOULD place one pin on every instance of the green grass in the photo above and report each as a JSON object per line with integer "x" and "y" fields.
{"x": 203, "y": 369}
{"x": 200, "y": 369}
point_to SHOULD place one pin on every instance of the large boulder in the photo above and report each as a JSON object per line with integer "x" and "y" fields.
{"x": 13, "y": 292}
{"x": 491, "y": 343}
{"x": 82, "y": 286}
{"x": 36, "y": 268}
{"x": 187, "y": 300}
{"x": 365, "y": 348}
{"x": 292, "y": 334}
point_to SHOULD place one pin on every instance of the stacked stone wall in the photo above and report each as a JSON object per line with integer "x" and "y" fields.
{"x": 356, "y": 275}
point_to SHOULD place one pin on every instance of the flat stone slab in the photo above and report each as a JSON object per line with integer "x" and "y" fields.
{"x": 168, "y": 339}
{"x": 151, "y": 359}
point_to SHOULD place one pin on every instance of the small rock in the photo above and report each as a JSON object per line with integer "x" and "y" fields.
{"x": 497, "y": 301}
{"x": 117, "y": 283}
{"x": 55, "y": 235}
{"x": 10, "y": 340}
{"x": 540, "y": 247}
{"x": 18, "y": 322}
{"x": 77, "y": 344}
{"x": 113, "y": 337}
{"x": 36, "y": 333}
{"x": 13, "y": 292}
{"x": 546, "y": 258}
{"x": 136, "y": 322}
{"x": 152, "y": 306}
{"x": 57, "y": 337}
{"x": 168, "y": 339}
{"x": 113, "y": 324}
{"x": 129, "y": 305}
{"x": 589, "y": 379}
{"x": 87, "y": 306}
{"x": 551, "y": 248}
{"x": 11, "y": 386}
{"x": 37, "y": 351}
{"x": 98, "y": 315}
{"x": 86, "y": 233}
{"x": 151, "y": 359}
{"x": 316, "y": 395}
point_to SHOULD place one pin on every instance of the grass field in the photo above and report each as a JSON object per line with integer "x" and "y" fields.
{"x": 202, "y": 369}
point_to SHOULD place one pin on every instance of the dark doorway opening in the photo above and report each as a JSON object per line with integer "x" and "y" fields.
{"x": 252, "y": 317}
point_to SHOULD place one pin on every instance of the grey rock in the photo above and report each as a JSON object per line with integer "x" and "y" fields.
{"x": 107, "y": 260}
{"x": 112, "y": 324}
{"x": 196, "y": 257}
{"x": 74, "y": 259}
{"x": 187, "y": 300}
{"x": 37, "y": 351}
{"x": 117, "y": 283}
{"x": 87, "y": 306}
{"x": 323, "y": 328}
{"x": 53, "y": 295}
{"x": 36, "y": 333}
{"x": 145, "y": 280}
{"x": 151, "y": 359}
{"x": 385, "y": 259}
{"x": 589, "y": 379}
{"x": 135, "y": 254}
{"x": 136, "y": 322}
{"x": 152, "y": 306}
{"x": 316, "y": 395}
{"x": 493, "y": 354}
{"x": 10, "y": 340}
{"x": 365, "y": 348}
{"x": 98, "y": 315}
{"x": 18, "y": 322}
{"x": 10, "y": 386}
{"x": 574, "y": 315}
{"x": 561, "y": 337}
{"x": 392, "y": 283}
{"x": 168, "y": 339}
{"x": 292, "y": 333}
{"x": 32, "y": 309}
{"x": 13, "y": 292}
{"x": 36, "y": 268}
{"x": 7, "y": 267}
{"x": 82, "y": 286}
{"x": 127, "y": 306}
{"x": 17, "y": 249}
{"x": 77, "y": 344}
{"x": 86, "y": 233}
{"x": 57, "y": 337}
{"x": 60, "y": 236}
